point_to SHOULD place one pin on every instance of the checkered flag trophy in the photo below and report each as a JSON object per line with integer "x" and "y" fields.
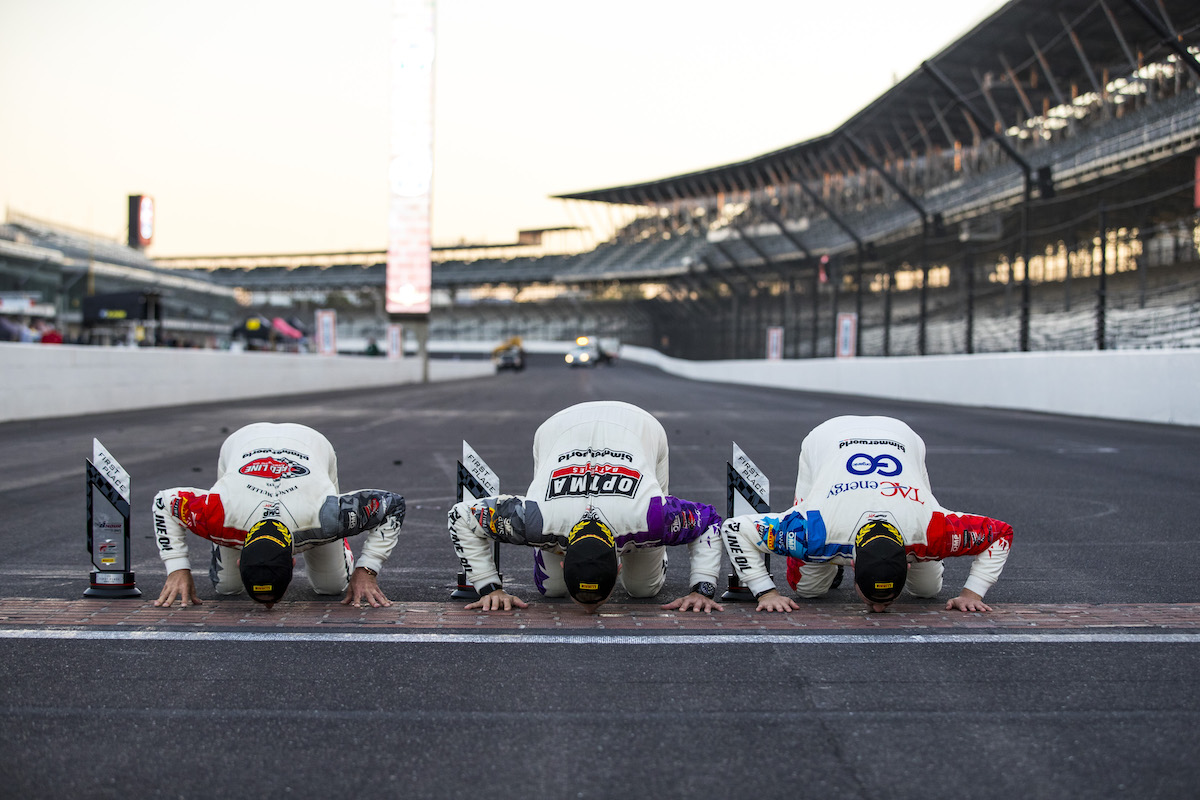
{"x": 108, "y": 526}
{"x": 747, "y": 492}
{"x": 475, "y": 479}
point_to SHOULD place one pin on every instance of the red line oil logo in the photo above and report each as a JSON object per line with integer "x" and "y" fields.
{"x": 587, "y": 480}
{"x": 273, "y": 468}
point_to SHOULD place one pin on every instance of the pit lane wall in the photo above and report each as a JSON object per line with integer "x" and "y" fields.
{"x": 1141, "y": 385}
{"x": 41, "y": 381}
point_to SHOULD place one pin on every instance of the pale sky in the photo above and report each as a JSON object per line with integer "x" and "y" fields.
{"x": 261, "y": 126}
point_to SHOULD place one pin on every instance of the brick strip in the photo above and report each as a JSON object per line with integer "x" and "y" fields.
{"x": 546, "y": 616}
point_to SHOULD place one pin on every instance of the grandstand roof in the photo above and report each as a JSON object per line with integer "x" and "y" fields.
{"x": 1027, "y": 57}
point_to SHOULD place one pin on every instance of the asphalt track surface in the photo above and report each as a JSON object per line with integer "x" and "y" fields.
{"x": 1082, "y": 683}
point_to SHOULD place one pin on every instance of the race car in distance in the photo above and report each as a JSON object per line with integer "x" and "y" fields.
{"x": 584, "y": 355}
{"x": 510, "y": 355}
{"x": 588, "y": 352}
{"x": 512, "y": 358}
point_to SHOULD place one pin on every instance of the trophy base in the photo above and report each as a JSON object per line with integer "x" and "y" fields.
{"x": 464, "y": 589}
{"x": 112, "y": 585}
{"x": 737, "y": 591}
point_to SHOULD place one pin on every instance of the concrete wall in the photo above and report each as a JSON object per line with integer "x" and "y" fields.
{"x": 39, "y": 380}
{"x": 1142, "y": 385}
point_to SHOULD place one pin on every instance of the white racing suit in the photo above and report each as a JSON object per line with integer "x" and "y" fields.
{"x": 286, "y": 472}
{"x": 607, "y": 458}
{"x": 853, "y": 470}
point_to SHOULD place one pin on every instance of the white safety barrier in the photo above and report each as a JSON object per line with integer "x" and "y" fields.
{"x": 41, "y": 380}
{"x": 1141, "y": 385}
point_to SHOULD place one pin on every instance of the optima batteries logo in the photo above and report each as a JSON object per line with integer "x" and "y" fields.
{"x": 273, "y": 468}
{"x": 586, "y": 480}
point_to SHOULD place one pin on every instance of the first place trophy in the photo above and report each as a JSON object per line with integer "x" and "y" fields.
{"x": 476, "y": 480}
{"x": 747, "y": 492}
{"x": 108, "y": 526}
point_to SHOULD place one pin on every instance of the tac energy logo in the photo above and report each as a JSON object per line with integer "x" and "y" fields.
{"x": 273, "y": 468}
{"x": 586, "y": 480}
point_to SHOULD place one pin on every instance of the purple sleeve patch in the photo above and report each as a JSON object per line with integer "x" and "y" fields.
{"x": 674, "y": 521}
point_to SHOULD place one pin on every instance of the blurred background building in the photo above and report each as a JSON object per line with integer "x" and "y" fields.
{"x": 1032, "y": 186}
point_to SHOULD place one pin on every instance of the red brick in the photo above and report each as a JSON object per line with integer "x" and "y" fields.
{"x": 547, "y": 616}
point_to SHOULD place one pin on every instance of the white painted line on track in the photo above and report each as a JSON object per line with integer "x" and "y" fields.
{"x": 606, "y": 639}
{"x": 98, "y": 714}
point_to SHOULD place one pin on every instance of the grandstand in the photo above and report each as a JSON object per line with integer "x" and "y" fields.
{"x": 61, "y": 269}
{"x": 1031, "y": 186}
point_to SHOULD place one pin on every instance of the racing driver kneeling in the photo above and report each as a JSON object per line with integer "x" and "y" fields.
{"x": 277, "y": 495}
